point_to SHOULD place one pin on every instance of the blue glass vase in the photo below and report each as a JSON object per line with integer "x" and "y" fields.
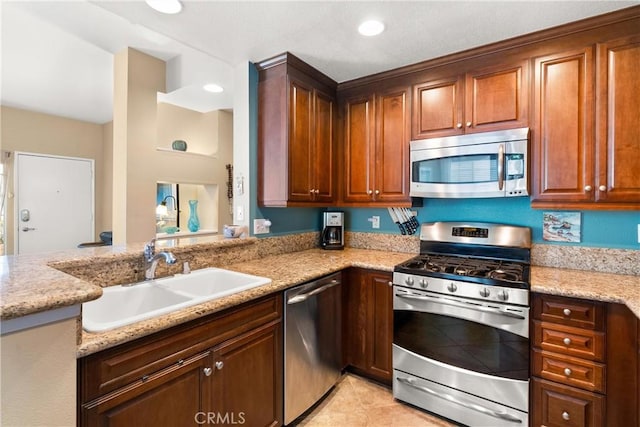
{"x": 194, "y": 223}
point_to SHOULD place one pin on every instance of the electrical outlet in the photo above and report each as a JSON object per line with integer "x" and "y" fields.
{"x": 375, "y": 222}
{"x": 261, "y": 226}
{"x": 239, "y": 213}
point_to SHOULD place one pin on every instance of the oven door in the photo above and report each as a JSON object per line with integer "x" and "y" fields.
{"x": 461, "y": 358}
{"x": 484, "y": 170}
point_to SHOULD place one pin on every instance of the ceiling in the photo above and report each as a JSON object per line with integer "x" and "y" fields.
{"x": 57, "y": 57}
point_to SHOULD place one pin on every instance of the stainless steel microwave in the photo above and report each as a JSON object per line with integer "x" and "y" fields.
{"x": 490, "y": 164}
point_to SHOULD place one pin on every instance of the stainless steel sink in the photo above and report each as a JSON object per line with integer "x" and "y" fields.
{"x": 122, "y": 305}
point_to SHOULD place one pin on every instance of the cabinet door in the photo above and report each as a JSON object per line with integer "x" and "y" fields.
{"x": 438, "y": 108}
{"x": 563, "y": 138}
{"x": 247, "y": 379}
{"x": 496, "y": 98}
{"x": 618, "y": 106}
{"x": 323, "y": 149}
{"x": 380, "y": 325}
{"x": 368, "y": 326}
{"x": 176, "y": 396}
{"x": 359, "y": 135}
{"x": 391, "y": 184}
{"x": 300, "y": 141}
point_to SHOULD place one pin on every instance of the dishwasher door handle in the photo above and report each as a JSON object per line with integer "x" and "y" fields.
{"x": 303, "y": 297}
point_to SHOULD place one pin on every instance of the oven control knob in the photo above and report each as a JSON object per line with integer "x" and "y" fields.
{"x": 424, "y": 283}
{"x": 409, "y": 281}
{"x": 503, "y": 295}
{"x": 452, "y": 287}
{"x": 485, "y": 292}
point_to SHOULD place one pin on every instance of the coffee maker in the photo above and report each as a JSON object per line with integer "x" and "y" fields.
{"x": 332, "y": 230}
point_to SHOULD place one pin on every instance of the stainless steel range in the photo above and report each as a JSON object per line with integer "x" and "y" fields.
{"x": 461, "y": 324}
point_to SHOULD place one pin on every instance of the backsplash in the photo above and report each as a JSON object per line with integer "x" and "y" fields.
{"x": 127, "y": 267}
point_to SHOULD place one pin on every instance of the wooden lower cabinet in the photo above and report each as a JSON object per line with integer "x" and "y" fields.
{"x": 368, "y": 326}
{"x": 559, "y": 405}
{"x": 224, "y": 369}
{"x": 585, "y": 364}
{"x": 246, "y": 377}
{"x": 176, "y": 396}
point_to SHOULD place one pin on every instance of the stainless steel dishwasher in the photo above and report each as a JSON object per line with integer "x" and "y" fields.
{"x": 313, "y": 350}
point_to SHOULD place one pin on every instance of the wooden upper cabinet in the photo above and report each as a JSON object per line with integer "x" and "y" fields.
{"x": 563, "y": 138}
{"x": 481, "y": 100}
{"x": 617, "y": 135}
{"x": 586, "y": 115}
{"x": 376, "y": 148}
{"x": 296, "y": 134}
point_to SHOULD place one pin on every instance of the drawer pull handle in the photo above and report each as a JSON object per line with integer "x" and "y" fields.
{"x": 566, "y": 312}
{"x": 565, "y": 416}
{"x": 567, "y": 371}
{"x": 567, "y": 341}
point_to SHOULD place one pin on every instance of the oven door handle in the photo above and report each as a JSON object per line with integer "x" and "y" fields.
{"x": 454, "y": 303}
{"x": 468, "y": 405}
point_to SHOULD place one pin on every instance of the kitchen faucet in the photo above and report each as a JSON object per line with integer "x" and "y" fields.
{"x": 152, "y": 258}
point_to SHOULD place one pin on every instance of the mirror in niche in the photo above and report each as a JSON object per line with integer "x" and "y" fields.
{"x": 173, "y": 211}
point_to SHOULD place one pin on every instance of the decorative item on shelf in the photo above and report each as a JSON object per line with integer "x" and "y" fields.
{"x": 162, "y": 210}
{"x": 179, "y": 145}
{"x": 170, "y": 230}
{"x": 194, "y": 223}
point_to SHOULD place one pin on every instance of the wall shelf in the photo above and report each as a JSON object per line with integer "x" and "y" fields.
{"x": 187, "y": 153}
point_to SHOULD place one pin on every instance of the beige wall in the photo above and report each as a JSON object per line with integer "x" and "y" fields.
{"x": 32, "y": 132}
{"x": 38, "y": 376}
{"x": 209, "y": 134}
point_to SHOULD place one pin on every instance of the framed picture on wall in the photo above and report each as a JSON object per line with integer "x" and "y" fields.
{"x": 561, "y": 226}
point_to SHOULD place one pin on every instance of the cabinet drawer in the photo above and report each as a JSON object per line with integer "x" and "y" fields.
{"x": 569, "y": 370}
{"x": 568, "y": 311}
{"x": 562, "y": 339}
{"x": 557, "y": 405}
{"x": 115, "y": 367}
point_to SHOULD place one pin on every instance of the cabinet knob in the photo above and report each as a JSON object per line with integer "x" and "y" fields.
{"x": 370, "y": 192}
{"x": 219, "y": 365}
{"x": 377, "y": 191}
{"x": 316, "y": 191}
{"x": 565, "y": 416}
{"x": 567, "y": 371}
{"x": 391, "y": 284}
{"x": 602, "y": 188}
{"x": 459, "y": 125}
{"x": 566, "y": 312}
{"x": 469, "y": 124}
{"x": 587, "y": 188}
{"x": 311, "y": 191}
{"x": 567, "y": 341}
{"x": 207, "y": 371}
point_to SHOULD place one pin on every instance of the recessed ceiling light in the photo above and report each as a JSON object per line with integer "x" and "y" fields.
{"x": 165, "y": 6}
{"x": 371, "y": 28}
{"x": 214, "y": 88}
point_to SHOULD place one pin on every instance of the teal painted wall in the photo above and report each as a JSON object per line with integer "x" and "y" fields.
{"x": 609, "y": 229}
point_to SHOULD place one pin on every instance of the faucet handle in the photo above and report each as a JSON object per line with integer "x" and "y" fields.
{"x": 150, "y": 249}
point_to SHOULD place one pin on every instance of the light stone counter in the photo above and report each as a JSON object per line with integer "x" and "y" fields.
{"x": 33, "y": 284}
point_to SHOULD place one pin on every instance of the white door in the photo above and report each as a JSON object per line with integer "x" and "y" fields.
{"x": 54, "y": 208}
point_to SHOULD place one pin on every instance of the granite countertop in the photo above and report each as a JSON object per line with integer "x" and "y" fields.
{"x": 29, "y": 285}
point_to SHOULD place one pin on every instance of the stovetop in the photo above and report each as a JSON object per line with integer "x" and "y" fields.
{"x": 507, "y": 273}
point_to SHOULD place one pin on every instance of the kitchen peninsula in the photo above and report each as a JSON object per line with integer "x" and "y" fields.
{"x": 23, "y": 297}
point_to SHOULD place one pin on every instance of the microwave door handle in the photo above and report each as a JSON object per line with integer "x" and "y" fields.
{"x": 501, "y": 167}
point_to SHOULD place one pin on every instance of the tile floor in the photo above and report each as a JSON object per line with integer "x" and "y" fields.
{"x": 357, "y": 402}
